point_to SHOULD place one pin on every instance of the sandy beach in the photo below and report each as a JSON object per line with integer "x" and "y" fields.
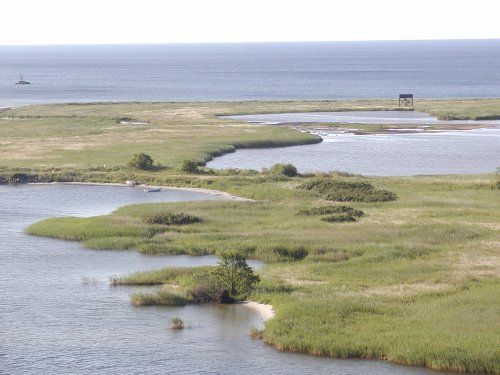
{"x": 266, "y": 311}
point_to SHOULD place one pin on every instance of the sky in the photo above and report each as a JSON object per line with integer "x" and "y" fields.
{"x": 215, "y": 21}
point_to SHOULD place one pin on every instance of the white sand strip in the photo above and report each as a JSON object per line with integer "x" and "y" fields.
{"x": 200, "y": 190}
{"x": 265, "y": 311}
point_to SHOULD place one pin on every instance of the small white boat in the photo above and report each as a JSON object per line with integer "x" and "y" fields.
{"x": 131, "y": 183}
{"x": 149, "y": 189}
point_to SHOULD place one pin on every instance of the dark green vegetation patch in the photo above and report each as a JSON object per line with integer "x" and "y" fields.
{"x": 333, "y": 214}
{"x": 338, "y": 218}
{"x": 329, "y": 210}
{"x": 170, "y": 218}
{"x": 348, "y": 191}
{"x": 141, "y": 161}
{"x": 283, "y": 170}
{"x": 291, "y": 253}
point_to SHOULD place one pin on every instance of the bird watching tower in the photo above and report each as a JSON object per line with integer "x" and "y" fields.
{"x": 406, "y": 100}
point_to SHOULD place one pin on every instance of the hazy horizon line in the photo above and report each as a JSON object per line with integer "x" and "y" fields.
{"x": 246, "y": 42}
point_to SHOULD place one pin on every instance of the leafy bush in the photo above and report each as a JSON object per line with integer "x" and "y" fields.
{"x": 189, "y": 166}
{"x": 329, "y": 210}
{"x": 287, "y": 170}
{"x": 141, "y": 161}
{"x": 348, "y": 191}
{"x": 295, "y": 253}
{"x": 210, "y": 292}
{"x": 170, "y": 218}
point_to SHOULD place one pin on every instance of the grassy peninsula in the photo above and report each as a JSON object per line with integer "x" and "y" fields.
{"x": 81, "y": 136}
{"x": 413, "y": 278}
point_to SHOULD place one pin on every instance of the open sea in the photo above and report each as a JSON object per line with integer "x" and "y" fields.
{"x": 192, "y": 72}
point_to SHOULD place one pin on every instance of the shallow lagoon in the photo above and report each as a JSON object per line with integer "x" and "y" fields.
{"x": 59, "y": 314}
{"x": 356, "y": 117}
{"x": 447, "y": 152}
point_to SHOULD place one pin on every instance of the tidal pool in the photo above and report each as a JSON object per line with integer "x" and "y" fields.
{"x": 58, "y": 313}
{"x": 356, "y": 117}
{"x": 423, "y": 153}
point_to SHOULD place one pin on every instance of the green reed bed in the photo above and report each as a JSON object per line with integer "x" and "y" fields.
{"x": 161, "y": 297}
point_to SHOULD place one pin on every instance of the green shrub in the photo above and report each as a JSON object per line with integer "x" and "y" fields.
{"x": 189, "y": 166}
{"x": 170, "y": 218}
{"x": 338, "y": 218}
{"x": 141, "y": 161}
{"x": 329, "y": 210}
{"x": 286, "y": 170}
{"x": 294, "y": 254}
{"x": 210, "y": 292}
{"x": 348, "y": 191}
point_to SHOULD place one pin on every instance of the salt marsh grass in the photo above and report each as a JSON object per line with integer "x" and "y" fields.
{"x": 176, "y": 323}
{"x": 414, "y": 281}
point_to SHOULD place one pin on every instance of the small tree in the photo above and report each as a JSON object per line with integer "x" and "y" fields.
{"x": 189, "y": 166}
{"x": 233, "y": 273}
{"x": 141, "y": 161}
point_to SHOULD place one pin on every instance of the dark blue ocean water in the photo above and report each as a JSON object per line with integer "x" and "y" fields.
{"x": 322, "y": 70}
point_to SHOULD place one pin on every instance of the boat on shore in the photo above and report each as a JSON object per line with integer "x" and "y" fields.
{"x": 22, "y": 81}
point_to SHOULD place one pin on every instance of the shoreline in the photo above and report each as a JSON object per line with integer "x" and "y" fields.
{"x": 266, "y": 312}
{"x": 199, "y": 190}
{"x": 318, "y": 129}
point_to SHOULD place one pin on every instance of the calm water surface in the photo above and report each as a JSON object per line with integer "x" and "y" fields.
{"x": 356, "y": 117}
{"x": 326, "y": 70}
{"x": 58, "y": 313}
{"x": 450, "y": 152}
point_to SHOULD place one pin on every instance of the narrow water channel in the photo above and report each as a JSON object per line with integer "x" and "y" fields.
{"x": 58, "y": 313}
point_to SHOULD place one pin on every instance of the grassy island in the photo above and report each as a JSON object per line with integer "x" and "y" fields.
{"x": 402, "y": 269}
